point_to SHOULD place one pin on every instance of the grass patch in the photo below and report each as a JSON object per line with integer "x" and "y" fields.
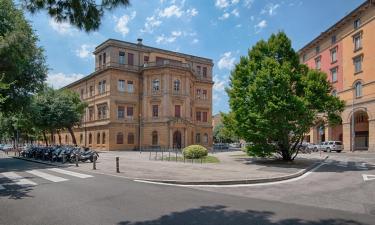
{"x": 206, "y": 159}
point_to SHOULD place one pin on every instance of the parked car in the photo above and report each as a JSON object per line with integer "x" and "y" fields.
{"x": 328, "y": 146}
{"x": 235, "y": 145}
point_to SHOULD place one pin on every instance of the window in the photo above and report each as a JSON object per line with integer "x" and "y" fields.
{"x": 98, "y": 138}
{"x": 121, "y": 85}
{"x": 333, "y": 55}
{"x": 304, "y": 57}
{"x": 119, "y": 138}
{"x": 357, "y": 64}
{"x": 129, "y": 112}
{"x": 204, "y": 94}
{"x": 358, "y": 89}
{"x": 90, "y": 138}
{"x": 104, "y": 58}
{"x": 333, "y": 39}
{"x": 130, "y": 59}
{"x": 102, "y": 111}
{"x": 357, "y": 23}
{"x": 120, "y": 112}
{"x": 91, "y": 91}
{"x": 317, "y": 63}
{"x": 91, "y": 113}
{"x": 204, "y": 71}
{"x": 100, "y": 60}
{"x": 204, "y": 116}
{"x": 317, "y": 49}
{"x": 103, "y": 138}
{"x": 155, "y": 85}
{"x": 130, "y": 138}
{"x": 198, "y": 116}
{"x": 334, "y": 93}
{"x": 198, "y": 96}
{"x": 146, "y": 59}
{"x": 121, "y": 57}
{"x": 177, "y": 111}
{"x": 357, "y": 39}
{"x": 176, "y": 85}
{"x": 154, "y": 138}
{"x": 80, "y": 138}
{"x": 198, "y": 138}
{"x": 334, "y": 74}
{"x": 82, "y": 92}
{"x": 130, "y": 86}
{"x": 199, "y": 70}
{"x": 155, "y": 111}
{"x": 205, "y": 138}
{"x": 101, "y": 86}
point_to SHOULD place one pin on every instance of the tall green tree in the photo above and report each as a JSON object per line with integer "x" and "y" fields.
{"x": 224, "y": 132}
{"x": 83, "y": 14}
{"x": 275, "y": 99}
{"x": 22, "y": 64}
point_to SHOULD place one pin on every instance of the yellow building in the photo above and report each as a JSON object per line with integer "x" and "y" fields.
{"x": 140, "y": 96}
{"x": 346, "y": 52}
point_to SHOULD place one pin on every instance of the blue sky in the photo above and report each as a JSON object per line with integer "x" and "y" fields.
{"x": 222, "y": 30}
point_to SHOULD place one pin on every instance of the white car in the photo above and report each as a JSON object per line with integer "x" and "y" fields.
{"x": 329, "y": 146}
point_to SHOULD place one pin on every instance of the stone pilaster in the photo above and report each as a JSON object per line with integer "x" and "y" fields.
{"x": 346, "y": 136}
{"x": 371, "y": 136}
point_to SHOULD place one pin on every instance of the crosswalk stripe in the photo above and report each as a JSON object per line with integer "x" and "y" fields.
{"x": 74, "y": 174}
{"x": 46, "y": 176}
{"x": 17, "y": 179}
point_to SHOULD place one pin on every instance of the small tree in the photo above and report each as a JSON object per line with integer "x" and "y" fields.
{"x": 275, "y": 100}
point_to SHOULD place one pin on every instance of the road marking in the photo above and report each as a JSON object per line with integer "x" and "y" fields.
{"x": 47, "y": 176}
{"x": 17, "y": 179}
{"x": 237, "y": 185}
{"x": 74, "y": 174}
{"x": 367, "y": 177}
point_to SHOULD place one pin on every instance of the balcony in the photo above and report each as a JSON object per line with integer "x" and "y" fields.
{"x": 114, "y": 65}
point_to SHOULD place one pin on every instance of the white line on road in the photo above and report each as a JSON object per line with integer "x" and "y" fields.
{"x": 74, "y": 174}
{"x": 17, "y": 179}
{"x": 46, "y": 176}
{"x": 238, "y": 185}
{"x": 367, "y": 177}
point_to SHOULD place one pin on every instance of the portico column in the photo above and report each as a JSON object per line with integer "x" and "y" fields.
{"x": 328, "y": 133}
{"x": 314, "y": 136}
{"x": 346, "y": 136}
{"x": 371, "y": 135}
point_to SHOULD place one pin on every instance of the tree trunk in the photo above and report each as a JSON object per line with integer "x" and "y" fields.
{"x": 58, "y": 133}
{"x": 52, "y": 137}
{"x": 45, "y": 138}
{"x": 72, "y": 134}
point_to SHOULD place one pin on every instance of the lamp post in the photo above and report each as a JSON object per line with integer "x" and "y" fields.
{"x": 353, "y": 125}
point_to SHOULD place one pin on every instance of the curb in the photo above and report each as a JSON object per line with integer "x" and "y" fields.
{"x": 236, "y": 182}
{"x": 37, "y": 161}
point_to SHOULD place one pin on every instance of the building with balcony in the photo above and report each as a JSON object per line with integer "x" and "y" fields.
{"x": 140, "y": 96}
{"x": 346, "y": 53}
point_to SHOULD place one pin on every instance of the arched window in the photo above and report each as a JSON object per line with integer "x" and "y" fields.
{"x": 120, "y": 138}
{"x": 103, "y": 138}
{"x": 155, "y": 85}
{"x": 130, "y": 138}
{"x": 358, "y": 89}
{"x": 90, "y": 138}
{"x": 98, "y": 138}
{"x": 334, "y": 93}
{"x": 66, "y": 139}
{"x": 176, "y": 85}
{"x": 205, "y": 138}
{"x": 154, "y": 138}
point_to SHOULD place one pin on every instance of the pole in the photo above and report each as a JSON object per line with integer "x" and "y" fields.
{"x": 117, "y": 164}
{"x": 76, "y": 160}
{"x": 353, "y": 125}
{"x": 94, "y": 163}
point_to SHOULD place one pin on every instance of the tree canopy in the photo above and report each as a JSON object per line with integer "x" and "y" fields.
{"x": 22, "y": 64}
{"x": 83, "y": 14}
{"x": 275, "y": 100}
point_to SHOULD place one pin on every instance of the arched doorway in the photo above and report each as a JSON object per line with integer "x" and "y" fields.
{"x": 177, "y": 139}
{"x": 361, "y": 130}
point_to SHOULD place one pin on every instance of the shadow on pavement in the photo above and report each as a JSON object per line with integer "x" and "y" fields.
{"x": 14, "y": 165}
{"x": 219, "y": 215}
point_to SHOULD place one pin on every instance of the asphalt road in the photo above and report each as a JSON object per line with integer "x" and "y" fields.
{"x": 61, "y": 197}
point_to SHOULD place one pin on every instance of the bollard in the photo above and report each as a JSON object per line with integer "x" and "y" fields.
{"x": 94, "y": 163}
{"x": 176, "y": 155}
{"x": 169, "y": 154}
{"x": 76, "y": 160}
{"x": 117, "y": 164}
{"x": 162, "y": 155}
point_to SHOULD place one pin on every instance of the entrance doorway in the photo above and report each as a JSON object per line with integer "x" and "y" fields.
{"x": 361, "y": 130}
{"x": 177, "y": 139}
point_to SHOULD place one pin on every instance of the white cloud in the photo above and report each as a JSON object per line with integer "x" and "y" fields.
{"x": 59, "y": 80}
{"x": 248, "y": 3}
{"x": 226, "y": 61}
{"x": 219, "y": 85}
{"x": 170, "y": 11}
{"x": 151, "y": 23}
{"x": 63, "y": 28}
{"x": 270, "y": 9}
{"x": 222, "y": 3}
{"x": 235, "y": 12}
{"x": 162, "y": 39}
{"x": 176, "y": 33}
{"x": 85, "y": 51}
{"x": 195, "y": 41}
{"x": 260, "y": 26}
{"x": 224, "y": 16}
{"x": 192, "y": 12}
{"x": 122, "y": 23}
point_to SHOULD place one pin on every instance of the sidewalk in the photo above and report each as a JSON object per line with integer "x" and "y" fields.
{"x": 234, "y": 167}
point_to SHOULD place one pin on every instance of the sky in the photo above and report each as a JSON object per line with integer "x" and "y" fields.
{"x": 222, "y": 30}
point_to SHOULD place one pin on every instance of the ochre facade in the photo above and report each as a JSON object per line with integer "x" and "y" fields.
{"x": 142, "y": 97}
{"x": 346, "y": 52}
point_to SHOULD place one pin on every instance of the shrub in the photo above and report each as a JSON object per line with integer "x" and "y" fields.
{"x": 195, "y": 152}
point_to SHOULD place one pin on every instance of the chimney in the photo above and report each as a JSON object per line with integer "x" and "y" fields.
{"x": 139, "y": 40}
